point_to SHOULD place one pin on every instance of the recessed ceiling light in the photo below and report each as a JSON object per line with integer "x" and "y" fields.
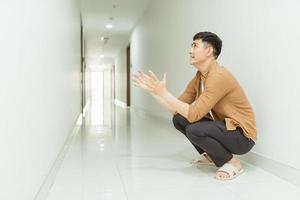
{"x": 102, "y": 38}
{"x": 101, "y": 56}
{"x": 108, "y": 26}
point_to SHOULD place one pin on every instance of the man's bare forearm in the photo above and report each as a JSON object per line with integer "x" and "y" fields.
{"x": 178, "y": 106}
{"x": 164, "y": 104}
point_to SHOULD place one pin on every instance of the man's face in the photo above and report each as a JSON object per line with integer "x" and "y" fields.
{"x": 199, "y": 52}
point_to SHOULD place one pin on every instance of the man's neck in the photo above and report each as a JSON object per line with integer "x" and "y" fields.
{"x": 204, "y": 67}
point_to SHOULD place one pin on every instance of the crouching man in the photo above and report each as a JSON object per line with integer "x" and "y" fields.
{"x": 213, "y": 112}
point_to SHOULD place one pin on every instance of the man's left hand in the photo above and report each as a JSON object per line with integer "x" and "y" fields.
{"x": 151, "y": 83}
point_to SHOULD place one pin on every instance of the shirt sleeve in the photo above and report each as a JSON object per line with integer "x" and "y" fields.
{"x": 215, "y": 89}
{"x": 189, "y": 94}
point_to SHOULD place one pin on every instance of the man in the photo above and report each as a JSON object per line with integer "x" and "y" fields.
{"x": 213, "y": 112}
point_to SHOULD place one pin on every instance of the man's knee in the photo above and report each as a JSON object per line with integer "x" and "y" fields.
{"x": 190, "y": 132}
{"x": 176, "y": 119}
{"x": 195, "y": 130}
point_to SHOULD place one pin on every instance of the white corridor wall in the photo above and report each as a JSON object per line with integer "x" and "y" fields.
{"x": 261, "y": 45}
{"x": 39, "y": 89}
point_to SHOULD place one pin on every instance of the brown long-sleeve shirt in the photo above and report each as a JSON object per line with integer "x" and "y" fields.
{"x": 224, "y": 96}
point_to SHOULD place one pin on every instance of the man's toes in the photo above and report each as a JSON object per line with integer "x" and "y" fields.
{"x": 225, "y": 176}
{"x": 222, "y": 175}
{"x": 218, "y": 175}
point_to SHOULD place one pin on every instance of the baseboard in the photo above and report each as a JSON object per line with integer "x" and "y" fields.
{"x": 87, "y": 105}
{"x": 120, "y": 103}
{"x": 49, "y": 180}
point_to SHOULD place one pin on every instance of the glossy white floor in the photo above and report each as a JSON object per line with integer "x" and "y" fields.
{"x": 140, "y": 157}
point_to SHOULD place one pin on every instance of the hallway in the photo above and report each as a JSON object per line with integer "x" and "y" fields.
{"x": 75, "y": 126}
{"x": 144, "y": 157}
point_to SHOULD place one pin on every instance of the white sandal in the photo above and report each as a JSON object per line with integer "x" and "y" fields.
{"x": 202, "y": 160}
{"x": 231, "y": 170}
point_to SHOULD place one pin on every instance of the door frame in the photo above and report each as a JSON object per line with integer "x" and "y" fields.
{"x": 82, "y": 66}
{"x": 128, "y": 66}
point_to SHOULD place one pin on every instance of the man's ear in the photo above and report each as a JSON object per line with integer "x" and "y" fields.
{"x": 209, "y": 51}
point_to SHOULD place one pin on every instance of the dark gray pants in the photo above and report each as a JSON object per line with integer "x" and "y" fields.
{"x": 213, "y": 138}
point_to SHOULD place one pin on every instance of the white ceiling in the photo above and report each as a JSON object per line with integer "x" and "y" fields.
{"x": 96, "y": 14}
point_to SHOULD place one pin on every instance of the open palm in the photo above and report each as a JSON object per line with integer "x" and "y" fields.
{"x": 150, "y": 83}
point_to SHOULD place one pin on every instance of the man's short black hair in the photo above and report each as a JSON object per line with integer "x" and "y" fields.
{"x": 211, "y": 39}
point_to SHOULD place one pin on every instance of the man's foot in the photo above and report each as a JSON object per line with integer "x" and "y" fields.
{"x": 207, "y": 157}
{"x": 221, "y": 175}
{"x": 202, "y": 159}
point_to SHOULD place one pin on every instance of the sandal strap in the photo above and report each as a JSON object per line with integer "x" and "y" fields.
{"x": 207, "y": 157}
{"x": 202, "y": 157}
{"x": 230, "y": 169}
